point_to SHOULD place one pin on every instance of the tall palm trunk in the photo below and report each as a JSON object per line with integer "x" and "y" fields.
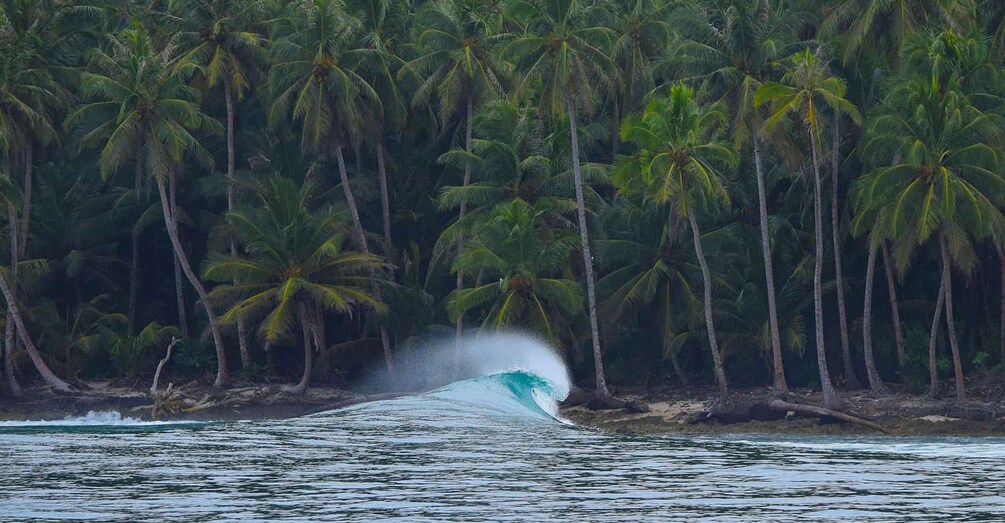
{"x": 179, "y": 286}
{"x": 706, "y": 276}
{"x": 933, "y": 367}
{"x": 134, "y": 266}
{"x": 14, "y": 314}
{"x": 214, "y": 323}
{"x": 875, "y": 382}
{"x": 29, "y": 178}
{"x": 769, "y": 271}
{"x": 947, "y": 278}
{"x": 891, "y": 289}
{"x": 849, "y": 369}
{"x": 242, "y": 327}
{"x": 10, "y": 330}
{"x": 584, "y": 236}
{"x": 831, "y": 399}
{"x": 357, "y": 227}
{"x": 468, "y": 139}
{"x": 307, "y": 329}
{"x": 385, "y": 199}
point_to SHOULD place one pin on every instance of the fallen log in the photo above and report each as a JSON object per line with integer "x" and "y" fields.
{"x": 736, "y": 410}
{"x": 813, "y": 410}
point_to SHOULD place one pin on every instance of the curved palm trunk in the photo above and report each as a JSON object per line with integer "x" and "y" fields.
{"x": 242, "y": 328}
{"x": 875, "y": 382}
{"x": 849, "y": 369}
{"x": 459, "y": 324}
{"x": 891, "y": 289}
{"x": 831, "y": 399}
{"x": 769, "y": 271}
{"x": 385, "y": 200}
{"x": 933, "y": 369}
{"x": 584, "y": 236}
{"x": 306, "y": 327}
{"x": 50, "y": 379}
{"x": 947, "y": 279}
{"x": 10, "y": 329}
{"x": 29, "y": 168}
{"x": 214, "y": 323}
{"x": 179, "y": 286}
{"x": 134, "y": 266}
{"x": 357, "y": 227}
{"x": 706, "y": 276}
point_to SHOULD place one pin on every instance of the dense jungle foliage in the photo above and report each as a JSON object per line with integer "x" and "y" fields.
{"x": 792, "y": 193}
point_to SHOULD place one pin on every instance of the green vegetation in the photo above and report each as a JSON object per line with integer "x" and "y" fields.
{"x": 705, "y": 189}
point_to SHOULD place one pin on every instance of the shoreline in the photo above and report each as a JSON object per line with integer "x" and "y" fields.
{"x": 899, "y": 414}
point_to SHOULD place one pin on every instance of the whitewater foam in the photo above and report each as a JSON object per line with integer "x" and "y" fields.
{"x": 109, "y": 418}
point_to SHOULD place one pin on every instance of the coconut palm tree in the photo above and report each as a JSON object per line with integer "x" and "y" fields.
{"x": 679, "y": 160}
{"x": 732, "y": 46}
{"x": 314, "y": 79}
{"x": 292, "y": 263}
{"x": 458, "y": 67}
{"x": 517, "y": 246}
{"x": 560, "y": 53}
{"x": 142, "y": 112}
{"x": 806, "y": 88}
{"x": 224, "y": 39}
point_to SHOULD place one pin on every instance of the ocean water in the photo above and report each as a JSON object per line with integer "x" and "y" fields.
{"x": 489, "y": 448}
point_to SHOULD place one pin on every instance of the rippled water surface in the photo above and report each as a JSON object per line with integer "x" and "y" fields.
{"x": 484, "y": 449}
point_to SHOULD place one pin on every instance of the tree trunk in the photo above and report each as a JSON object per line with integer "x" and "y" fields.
{"x": 242, "y": 330}
{"x": 875, "y": 382}
{"x": 134, "y": 267}
{"x": 10, "y": 333}
{"x": 706, "y": 276}
{"x": 29, "y": 168}
{"x": 214, "y": 324}
{"x": 831, "y": 399}
{"x": 1001, "y": 257}
{"x": 933, "y": 368}
{"x": 891, "y": 288}
{"x": 947, "y": 277}
{"x": 357, "y": 227}
{"x": 584, "y": 235}
{"x": 849, "y": 369}
{"x": 14, "y": 314}
{"x": 385, "y": 200}
{"x": 179, "y": 286}
{"x": 615, "y": 130}
{"x": 679, "y": 370}
{"x": 305, "y": 327}
{"x": 769, "y": 272}
{"x": 468, "y": 139}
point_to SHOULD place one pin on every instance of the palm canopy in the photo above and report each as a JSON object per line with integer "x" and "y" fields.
{"x": 642, "y": 34}
{"x": 291, "y": 256}
{"x": 140, "y": 108}
{"x": 528, "y": 257}
{"x": 316, "y": 76}
{"x": 457, "y": 62}
{"x": 561, "y": 49}
{"x": 938, "y": 170}
{"x": 222, "y": 37}
{"x": 679, "y": 152}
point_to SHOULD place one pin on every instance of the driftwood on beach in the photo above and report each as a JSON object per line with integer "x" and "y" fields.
{"x": 767, "y": 408}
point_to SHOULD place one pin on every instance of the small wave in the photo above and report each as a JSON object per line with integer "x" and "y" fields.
{"x": 109, "y": 418}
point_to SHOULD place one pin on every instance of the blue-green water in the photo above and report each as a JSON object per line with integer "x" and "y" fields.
{"x": 479, "y": 450}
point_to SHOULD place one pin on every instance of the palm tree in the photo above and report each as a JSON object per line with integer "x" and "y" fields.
{"x": 314, "y": 79}
{"x": 143, "y": 113}
{"x": 292, "y": 264}
{"x": 943, "y": 189}
{"x": 559, "y": 52}
{"x": 458, "y": 67}
{"x": 223, "y": 38}
{"x": 677, "y": 163}
{"x": 806, "y": 88}
{"x": 732, "y": 46}
{"x": 517, "y": 246}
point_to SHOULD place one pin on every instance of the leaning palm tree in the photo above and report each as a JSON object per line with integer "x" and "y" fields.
{"x": 142, "y": 112}
{"x": 731, "y": 46}
{"x": 292, "y": 265}
{"x": 942, "y": 188}
{"x": 314, "y": 80}
{"x": 560, "y": 54}
{"x": 806, "y": 88}
{"x": 459, "y": 68}
{"x": 678, "y": 162}
{"x": 223, "y": 39}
